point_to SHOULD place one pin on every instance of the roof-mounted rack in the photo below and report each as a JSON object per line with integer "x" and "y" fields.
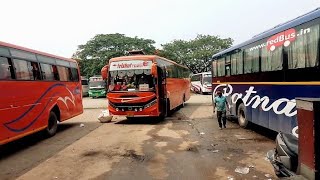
{"x": 135, "y": 52}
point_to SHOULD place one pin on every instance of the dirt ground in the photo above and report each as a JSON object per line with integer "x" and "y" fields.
{"x": 188, "y": 145}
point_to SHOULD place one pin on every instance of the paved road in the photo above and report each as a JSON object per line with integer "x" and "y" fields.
{"x": 187, "y": 145}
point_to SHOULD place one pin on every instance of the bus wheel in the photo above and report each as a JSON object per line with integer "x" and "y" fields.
{"x": 169, "y": 111}
{"x": 51, "y": 129}
{"x": 243, "y": 121}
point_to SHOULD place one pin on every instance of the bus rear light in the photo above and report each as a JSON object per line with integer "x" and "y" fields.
{"x": 140, "y": 109}
{"x": 117, "y": 109}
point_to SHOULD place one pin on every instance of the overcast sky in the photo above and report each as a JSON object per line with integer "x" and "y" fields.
{"x": 59, "y": 26}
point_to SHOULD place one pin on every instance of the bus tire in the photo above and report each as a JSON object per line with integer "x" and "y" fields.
{"x": 242, "y": 113}
{"x": 52, "y": 127}
{"x": 169, "y": 112}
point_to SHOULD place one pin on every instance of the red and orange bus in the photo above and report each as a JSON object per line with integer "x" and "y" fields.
{"x": 37, "y": 90}
{"x": 145, "y": 85}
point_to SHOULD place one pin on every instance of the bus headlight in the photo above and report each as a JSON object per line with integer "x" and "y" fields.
{"x": 103, "y": 92}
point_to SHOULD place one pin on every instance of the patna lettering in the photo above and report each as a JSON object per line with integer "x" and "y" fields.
{"x": 279, "y": 106}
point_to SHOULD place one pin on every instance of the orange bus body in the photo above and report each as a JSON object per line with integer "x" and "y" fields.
{"x": 145, "y": 104}
{"x": 27, "y": 98}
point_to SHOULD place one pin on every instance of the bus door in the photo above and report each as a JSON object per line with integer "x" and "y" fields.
{"x": 162, "y": 90}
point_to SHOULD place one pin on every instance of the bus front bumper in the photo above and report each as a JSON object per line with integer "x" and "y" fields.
{"x": 134, "y": 111}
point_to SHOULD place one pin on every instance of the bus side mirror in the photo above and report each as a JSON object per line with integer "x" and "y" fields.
{"x": 154, "y": 70}
{"x": 105, "y": 72}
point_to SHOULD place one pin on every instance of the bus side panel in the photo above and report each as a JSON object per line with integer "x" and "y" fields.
{"x": 34, "y": 100}
{"x": 173, "y": 91}
{"x": 187, "y": 86}
{"x": 177, "y": 88}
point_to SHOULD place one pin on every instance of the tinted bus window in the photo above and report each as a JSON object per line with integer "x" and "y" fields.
{"x": 5, "y": 68}
{"x": 303, "y": 51}
{"x": 221, "y": 67}
{"x": 23, "y": 54}
{"x": 55, "y": 73}
{"x": 46, "y": 60}
{"x": 47, "y": 72}
{"x": 214, "y": 68}
{"x": 271, "y": 60}
{"x": 36, "y": 75}
{"x": 251, "y": 60}
{"x": 75, "y": 74}
{"x": 63, "y": 73}
{"x": 236, "y": 63}
{"x": 22, "y": 69}
{"x": 4, "y": 51}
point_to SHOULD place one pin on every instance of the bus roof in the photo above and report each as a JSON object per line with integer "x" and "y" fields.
{"x": 279, "y": 28}
{"x": 35, "y": 51}
{"x": 143, "y": 57}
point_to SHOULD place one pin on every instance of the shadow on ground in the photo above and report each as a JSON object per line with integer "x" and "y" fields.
{"x": 268, "y": 133}
{"x": 18, "y": 157}
{"x": 31, "y": 140}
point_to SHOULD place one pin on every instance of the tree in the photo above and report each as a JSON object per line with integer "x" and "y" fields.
{"x": 96, "y": 53}
{"x": 195, "y": 54}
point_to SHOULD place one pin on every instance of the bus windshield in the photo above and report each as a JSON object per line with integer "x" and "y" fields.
{"x": 131, "y": 80}
{"x": 97, "y": 84}
{"x": 207, "y": 80}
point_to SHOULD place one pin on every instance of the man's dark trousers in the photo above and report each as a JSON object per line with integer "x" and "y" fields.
{"x": 221, "y": 115}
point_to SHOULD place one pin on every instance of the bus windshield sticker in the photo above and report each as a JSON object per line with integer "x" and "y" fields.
{"x": 143, "y": 87}
{"x": 129, "y": 65}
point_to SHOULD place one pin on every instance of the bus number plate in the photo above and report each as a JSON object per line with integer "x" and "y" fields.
{"x": 130, "y": 114}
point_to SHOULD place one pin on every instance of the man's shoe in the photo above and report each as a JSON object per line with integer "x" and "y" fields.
{"x": 224, "y": 126}
{"x": 220, "y": 128}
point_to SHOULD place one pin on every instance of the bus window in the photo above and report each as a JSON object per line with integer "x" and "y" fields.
{"x": 70, "y": 78}
{"x": 55, "y": 73}
{"x": 63, "y": 73}
{"x": 47, "y": 72}
{"x": 221, "y": 67}
{"x": 228, "y": 71}
{"x": 271, "y": 60}
{"x": 214, "y": 68}
{"x": 130, "y": 80}
{"x": 35, "y": 71}
{"x": 303, "y": 51}
{"x": 22, "y": 69}
{"x": 75, "y": 74}
{"x": 5, "y": 69}
{"x": 251, "y": 61}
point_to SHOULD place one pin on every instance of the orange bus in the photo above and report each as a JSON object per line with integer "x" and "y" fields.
{"x": 145, "y": 85}
{"x": 37, "y": 90}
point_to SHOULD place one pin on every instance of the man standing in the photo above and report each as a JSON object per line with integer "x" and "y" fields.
{"x": 221, "y": 103}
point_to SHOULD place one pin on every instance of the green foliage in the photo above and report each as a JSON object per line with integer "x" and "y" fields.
{"x": 195, "y": 54}
{"x": 96, "y": 53}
